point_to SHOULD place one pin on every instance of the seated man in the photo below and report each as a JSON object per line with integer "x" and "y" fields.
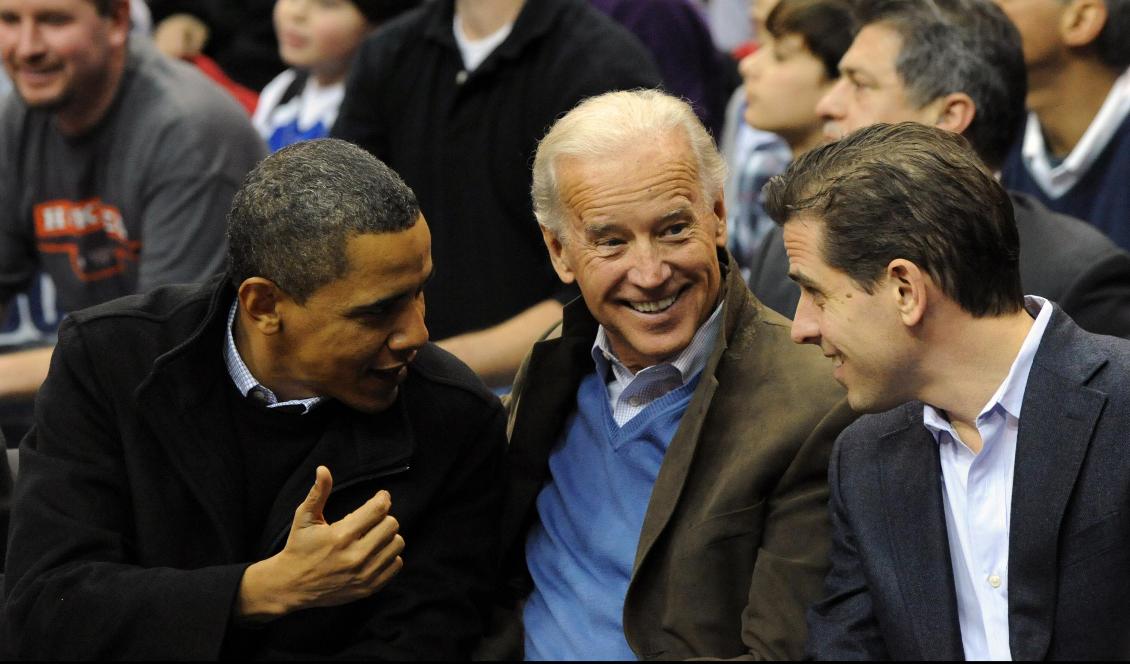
{"x": 984, "y": 517}
{"x": 116, "y": 167}
{"x": 1074, "y": 153}
{"x": 958, "y": 65}
{"x": 154, "y": 515}
{"x": 669, "y": 451}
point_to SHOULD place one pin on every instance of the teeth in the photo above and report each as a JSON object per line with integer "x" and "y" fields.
{"x": 652, "y": 307}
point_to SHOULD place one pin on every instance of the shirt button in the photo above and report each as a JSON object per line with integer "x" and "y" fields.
{"x": 995, "y": 581}
{"x": 461, "y": 77}
{"x": 635, "y": 402}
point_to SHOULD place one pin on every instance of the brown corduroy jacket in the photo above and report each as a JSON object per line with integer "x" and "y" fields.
{"x": 734, "y": 545}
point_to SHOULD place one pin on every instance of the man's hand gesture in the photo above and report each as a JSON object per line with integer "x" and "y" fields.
{"x": 324, "y": 564}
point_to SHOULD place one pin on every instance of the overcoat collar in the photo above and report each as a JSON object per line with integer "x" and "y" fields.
{"x": 182, "y": 399}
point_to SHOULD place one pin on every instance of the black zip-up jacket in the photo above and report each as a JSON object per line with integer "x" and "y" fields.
{"x": 127, "y": 539}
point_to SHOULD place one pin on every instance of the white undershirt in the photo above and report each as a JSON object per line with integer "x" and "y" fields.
{"x": 474, "y": 51}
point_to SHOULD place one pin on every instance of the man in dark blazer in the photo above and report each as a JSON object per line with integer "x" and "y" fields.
{"x": 958, "y": 65}
{"x": 667, "y": 450}
{"x": 985, "y": 517}
{"x": 175, "y": 496}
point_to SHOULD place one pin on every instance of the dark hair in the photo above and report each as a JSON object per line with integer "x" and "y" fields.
{"x": 103, "y": 7}
{"x": 1113, "y": 43}
{"x": 965, "y": 46}
{"x": 290, "y": 220}
{"x": 827, "y": 27}
{"x": 908, "y": 191}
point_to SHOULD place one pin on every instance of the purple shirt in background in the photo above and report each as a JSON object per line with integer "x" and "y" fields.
{"x": 678, "y": 37}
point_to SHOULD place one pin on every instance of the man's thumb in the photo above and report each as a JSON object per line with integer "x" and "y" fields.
{"x": 310, "y": 511}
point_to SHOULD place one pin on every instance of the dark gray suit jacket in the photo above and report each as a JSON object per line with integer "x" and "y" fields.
{"x": 891, "y": 594}
{"x": 1061, "y": 258}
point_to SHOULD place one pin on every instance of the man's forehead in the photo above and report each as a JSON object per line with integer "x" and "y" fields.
{"x": 803, "y": 236}
{"x": 590, "y": 186}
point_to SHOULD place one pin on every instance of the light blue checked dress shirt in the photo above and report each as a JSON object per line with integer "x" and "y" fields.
{"x": 246, "y": 383}
{"x": 629, "y": 393}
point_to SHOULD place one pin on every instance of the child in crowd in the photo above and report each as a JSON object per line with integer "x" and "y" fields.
{"x": 317, "y": 40}
{"x": 801, "y": 43}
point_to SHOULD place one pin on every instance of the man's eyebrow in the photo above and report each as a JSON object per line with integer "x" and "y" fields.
{"x": 385, "y": 302}
{"x": 854, "y": 72}
{"x": 600, "y": 229}
{"x": 804, "y": 282}
{"x": 676, "y": 215}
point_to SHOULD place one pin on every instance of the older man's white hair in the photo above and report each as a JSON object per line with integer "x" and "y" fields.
{"x": 609, "y": 124}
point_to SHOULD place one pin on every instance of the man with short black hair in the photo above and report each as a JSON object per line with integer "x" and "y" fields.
{"x": 155, "y": 508}
{"x": 984, "y": 517}
{"x": 958, "y": 65}
{"x": 1074, "y": 154}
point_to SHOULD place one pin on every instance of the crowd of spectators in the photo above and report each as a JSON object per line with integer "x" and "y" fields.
{"x": 597, "y": 439}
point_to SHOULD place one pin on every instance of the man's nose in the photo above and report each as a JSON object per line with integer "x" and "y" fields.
{"x": 831, "y": 105}
{"x": 649, "y": 270}
{"x": 412, "y": 332}
{"x": 29, "y": 41}
{"x": 805, "y": 329}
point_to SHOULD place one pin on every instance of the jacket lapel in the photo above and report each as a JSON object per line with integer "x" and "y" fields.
{"x": 1057, "y": 422}
{"x": 737, "y": 309}
{"x": 911, "y": 497}
{"x": 541, "y": 412}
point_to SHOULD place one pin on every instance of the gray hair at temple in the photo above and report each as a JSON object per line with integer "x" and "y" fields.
{"x": 296, "y": 210}
{"x": 609, "y": 123}
{"x": 965, "y": 46}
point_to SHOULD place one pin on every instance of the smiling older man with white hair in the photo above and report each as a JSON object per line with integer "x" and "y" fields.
{"x": 668, "y": 447}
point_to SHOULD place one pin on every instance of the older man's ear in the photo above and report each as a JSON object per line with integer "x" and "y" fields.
{"x": 721, "y": 230}
{"x": 557, "y": 255}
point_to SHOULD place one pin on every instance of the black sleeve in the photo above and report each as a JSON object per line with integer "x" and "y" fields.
{"x": 73, "y": 587}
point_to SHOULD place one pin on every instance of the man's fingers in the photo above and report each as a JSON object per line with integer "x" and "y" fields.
{"x": 310, "y": 510}
{"x": 389, "y": 571}
{"x": 360, "y": 521}
{"x": 381, "y": 535}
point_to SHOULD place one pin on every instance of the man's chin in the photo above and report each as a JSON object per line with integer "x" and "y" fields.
{"x": 372, "y": 403}
{"x": 40, "y": 101}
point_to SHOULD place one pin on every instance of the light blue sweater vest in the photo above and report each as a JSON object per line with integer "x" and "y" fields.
{"x": 580, "y": 552}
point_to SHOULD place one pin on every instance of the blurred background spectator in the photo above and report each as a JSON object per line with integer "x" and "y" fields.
{"x": 317, "y": 40}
